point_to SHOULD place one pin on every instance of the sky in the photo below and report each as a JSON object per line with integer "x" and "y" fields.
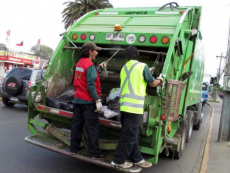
{"x": 30, "y": 20}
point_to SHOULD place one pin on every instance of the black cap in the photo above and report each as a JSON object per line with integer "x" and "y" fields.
{"x": 91, "y": 46}
{"x": 131, "y": 52}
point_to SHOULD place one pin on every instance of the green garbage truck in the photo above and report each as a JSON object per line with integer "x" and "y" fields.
{"x": 168, "y": 39}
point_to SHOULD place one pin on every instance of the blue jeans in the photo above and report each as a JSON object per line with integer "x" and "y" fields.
{"x": 84, "y": 114}
{"x": 129, "y": 140}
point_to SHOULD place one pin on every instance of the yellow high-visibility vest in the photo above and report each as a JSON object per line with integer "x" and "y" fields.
{"x": 133, "y": 87}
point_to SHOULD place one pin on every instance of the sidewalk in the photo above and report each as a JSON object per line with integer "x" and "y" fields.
{"x": 218, "y": 153}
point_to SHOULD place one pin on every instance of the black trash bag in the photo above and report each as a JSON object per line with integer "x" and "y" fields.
{"x": 68, "y": 106}
{"x": 52, "y": 102}
{"x": 64, "y": 101}
{"x": 114, "y": 105}
{"x": 67, "y": 95}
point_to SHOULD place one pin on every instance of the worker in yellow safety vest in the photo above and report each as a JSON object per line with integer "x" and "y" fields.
{"x": 134, "y": 78}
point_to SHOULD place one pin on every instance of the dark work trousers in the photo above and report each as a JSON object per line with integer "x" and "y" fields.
{"x": 84, "y": 114}
{"x": 129, "y": 140}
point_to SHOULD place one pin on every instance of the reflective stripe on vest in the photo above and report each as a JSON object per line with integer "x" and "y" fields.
{"x": 130, "y": 102}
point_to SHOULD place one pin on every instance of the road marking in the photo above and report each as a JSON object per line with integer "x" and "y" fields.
{"x": 204, "y": 164}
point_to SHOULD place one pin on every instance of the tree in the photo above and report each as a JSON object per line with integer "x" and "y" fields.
{"x": 2, "y": 46}
{"x": 216, "y": 90}
{"x": 45, "y": 52}
{"x": 75, "y": 10}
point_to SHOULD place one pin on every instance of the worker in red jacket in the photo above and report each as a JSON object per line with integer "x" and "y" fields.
{"x": 87, "y": 101}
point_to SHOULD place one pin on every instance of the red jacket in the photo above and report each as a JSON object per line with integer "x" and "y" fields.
{"x": 80, "y": 81}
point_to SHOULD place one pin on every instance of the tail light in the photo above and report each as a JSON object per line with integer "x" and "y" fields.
{"x": 92, "y": 37}
{"x": 3, "y": 80}
{"x": 163, "y": 117}
{"x": 153, "y": 39}
{"x": 165, "y": 40}
{"x": 30, "y": 84}
{"x": 83, "y": 36}
{"x": 142, "y": 39}
{"x": 74, "y": 36}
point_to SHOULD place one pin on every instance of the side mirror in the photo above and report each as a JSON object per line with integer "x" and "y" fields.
{"x": 186, "y": 75}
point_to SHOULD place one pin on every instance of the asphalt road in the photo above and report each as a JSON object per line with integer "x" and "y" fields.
{"x": 17, "y": 156}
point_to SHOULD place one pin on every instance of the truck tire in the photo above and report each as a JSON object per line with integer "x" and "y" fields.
{"x": 197, "y": 126}
{"x": 182, "y": 132}
{"x": 190, "y": 115}
{"x": 6, "y": 102}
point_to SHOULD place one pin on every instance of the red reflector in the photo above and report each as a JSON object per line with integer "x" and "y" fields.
{"x": 153, "y": 39}
{"x": 43, "y": 108}
{"x": 96, "y": 13}
{"x": 163, "y": 117}
{"x": 66, "y": 114}
{"x": 105, "y": 122}
{"x": 182, "y": 12}
{"x": 83, "y": 36}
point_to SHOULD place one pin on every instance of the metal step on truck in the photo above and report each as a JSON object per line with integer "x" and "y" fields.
{"x": 169, "y": 39}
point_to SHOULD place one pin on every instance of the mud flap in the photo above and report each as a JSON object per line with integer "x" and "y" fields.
{"x": 53, "y": 144}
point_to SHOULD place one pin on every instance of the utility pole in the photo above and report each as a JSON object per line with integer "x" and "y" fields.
{"x": 218, "y": 73}
{"x": 224, "y": 128}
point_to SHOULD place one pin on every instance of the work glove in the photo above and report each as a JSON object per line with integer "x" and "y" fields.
{"x": 98, "y": 105}
{"x": 160, "y": 77}
{"x": 152, "y": 70}
{"x": 103, "y": 65}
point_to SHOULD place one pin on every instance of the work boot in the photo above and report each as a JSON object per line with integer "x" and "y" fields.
{"x": 74, "y": 152}
{"x": 144, "y": 164}
{"x": 123, "y": 165}
{"x": 99, "y": 157}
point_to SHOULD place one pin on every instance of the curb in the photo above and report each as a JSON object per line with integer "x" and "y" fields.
{"x": 204, "y": 164}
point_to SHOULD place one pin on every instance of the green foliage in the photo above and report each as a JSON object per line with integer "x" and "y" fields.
{"x": 216, "y": 89}
{"x": 45, "y": 52}
{"x": 2, "y": 46}
{"x": 74, "y": 10}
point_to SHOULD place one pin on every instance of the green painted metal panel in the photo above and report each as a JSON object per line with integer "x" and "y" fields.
{"x": 104, "y": 20}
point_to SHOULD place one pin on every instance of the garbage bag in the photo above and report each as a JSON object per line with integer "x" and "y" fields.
{"x": 67, "y": 95}
{"x": 109, "y": 114}
{"x": 68, "y": 106}
{"x": 64, "y": 101}
{"x": 52, "y": 102}
{"x": 115, "y": 92}
{"x": 114, "y": 105}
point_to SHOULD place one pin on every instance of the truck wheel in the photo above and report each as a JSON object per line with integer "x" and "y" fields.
{"x": 197, "y": 126}
{"x": 178, "y": 154}
{"x": 189, "y": 126}
{"x": 6, "y": 102}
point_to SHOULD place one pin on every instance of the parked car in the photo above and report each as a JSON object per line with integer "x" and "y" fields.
{"x": 16, "y": 85}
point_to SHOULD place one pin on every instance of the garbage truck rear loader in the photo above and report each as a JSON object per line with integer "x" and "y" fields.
{"x": 168, "y": 39}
